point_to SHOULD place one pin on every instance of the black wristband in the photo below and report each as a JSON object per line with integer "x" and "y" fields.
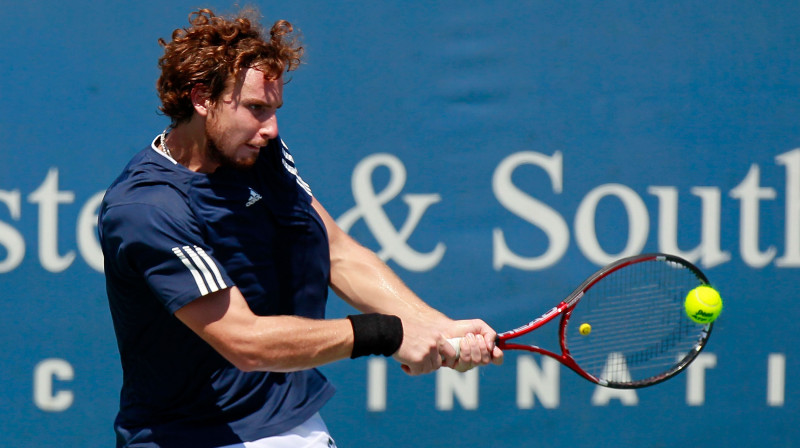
{"x": 375, "y": 334}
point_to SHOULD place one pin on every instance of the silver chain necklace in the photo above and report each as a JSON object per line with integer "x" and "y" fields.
{"x": 164, "y": 143}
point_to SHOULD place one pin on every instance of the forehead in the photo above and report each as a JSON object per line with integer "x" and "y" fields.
{"x": 252, "y": 83}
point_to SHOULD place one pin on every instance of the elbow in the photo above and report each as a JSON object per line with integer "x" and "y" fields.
{"x": 242, "y": 356}
{"x": 246, "y": 364}
{"x": 249, "y": 359}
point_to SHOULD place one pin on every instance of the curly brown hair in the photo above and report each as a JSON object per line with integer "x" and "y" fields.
{"x": 213, "y": 50}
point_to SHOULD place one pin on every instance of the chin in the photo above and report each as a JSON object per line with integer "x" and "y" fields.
{"x": 242, "y": 160}
{"x": 243, "y": 164}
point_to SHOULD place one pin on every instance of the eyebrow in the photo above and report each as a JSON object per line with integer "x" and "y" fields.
{"x": 252, "y": 101}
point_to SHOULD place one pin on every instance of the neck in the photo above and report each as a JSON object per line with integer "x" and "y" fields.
{"x": 187, "y": 145}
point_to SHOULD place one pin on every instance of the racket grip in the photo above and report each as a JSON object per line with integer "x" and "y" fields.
{"x": 456, "y": 343}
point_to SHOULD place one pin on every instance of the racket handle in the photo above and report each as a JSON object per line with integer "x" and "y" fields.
{"x": 456, "y": 343}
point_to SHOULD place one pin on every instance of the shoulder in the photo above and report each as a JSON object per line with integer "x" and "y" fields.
{"x": 148, "y": 178}
{"x": 277, "y": 158}
{"x": 149, "y": 193}
{"x": 158, "y": 214}
{"x": 140, "y": 202}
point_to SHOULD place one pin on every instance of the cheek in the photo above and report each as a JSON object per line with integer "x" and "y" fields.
{"x": 219, "y": 129}
{"x": 231, "y": 128}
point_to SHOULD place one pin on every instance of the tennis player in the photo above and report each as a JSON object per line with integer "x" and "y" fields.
{"x": 218, "y": 260}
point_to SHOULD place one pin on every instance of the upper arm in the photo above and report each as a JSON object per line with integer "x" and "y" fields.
{"x": 344, "y": 249}
{"x": 161, "y": 243}
{"x": 336, "y": 236}
{"x": 267, "y": 343}
{"x": 222, "y": 319}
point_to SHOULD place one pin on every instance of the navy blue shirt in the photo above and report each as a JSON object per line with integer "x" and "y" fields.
{"x": 170, "y": 235}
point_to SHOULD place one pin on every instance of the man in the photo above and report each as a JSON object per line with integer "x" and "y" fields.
{"x": 218, "y": 260}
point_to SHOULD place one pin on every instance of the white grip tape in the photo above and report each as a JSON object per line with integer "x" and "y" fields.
{"x": 456, "y": 343}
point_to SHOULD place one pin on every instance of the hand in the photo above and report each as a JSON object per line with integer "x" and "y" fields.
{"x": 477, "y": 346}
{"x": 425, "y": 347}
{"x": 423, "y": 340}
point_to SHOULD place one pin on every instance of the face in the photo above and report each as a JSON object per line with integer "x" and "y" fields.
{"x": 244, "y": 118}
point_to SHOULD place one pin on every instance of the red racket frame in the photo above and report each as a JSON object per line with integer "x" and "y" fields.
{"x": 564, "y": 309}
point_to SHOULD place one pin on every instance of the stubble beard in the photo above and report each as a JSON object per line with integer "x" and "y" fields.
{"x": 219, "y": 157}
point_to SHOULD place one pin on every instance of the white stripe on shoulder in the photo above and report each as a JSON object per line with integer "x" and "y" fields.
{"x": 288, "y": 163}
{"x": 201, "y": 266}
{"x": 192, "y": 269}
{"x": 213, "y": 266}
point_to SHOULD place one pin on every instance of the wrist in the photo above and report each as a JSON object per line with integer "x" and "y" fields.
{"x": 375, "y": 334}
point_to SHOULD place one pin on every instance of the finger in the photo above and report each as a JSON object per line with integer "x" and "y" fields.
{"x": 467, "y": 343}
{"x": 434, "y": 360}
{"x": 497, "y": 356}
{"x": 475, "y": 356}
{"x": 489, "y": 335}
{"x": 485, "y": 354}
{"x": 430, "y": 361}
{"x": 470, "y": 352}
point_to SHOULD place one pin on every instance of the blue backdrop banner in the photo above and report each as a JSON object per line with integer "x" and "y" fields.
{"x": 493, "y": 153}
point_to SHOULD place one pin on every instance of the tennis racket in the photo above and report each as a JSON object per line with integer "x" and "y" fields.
{"x": 624, "y": 327}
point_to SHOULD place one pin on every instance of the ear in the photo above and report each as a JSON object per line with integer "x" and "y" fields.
{"x": 200, "y": 96}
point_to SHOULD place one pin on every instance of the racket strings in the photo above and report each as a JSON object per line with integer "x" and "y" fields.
{"x": 639, "y": 329}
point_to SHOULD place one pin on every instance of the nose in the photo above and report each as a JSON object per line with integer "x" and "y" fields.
{"x": 269, "y": 127}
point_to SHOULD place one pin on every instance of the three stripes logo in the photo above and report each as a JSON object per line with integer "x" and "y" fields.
{"x": 288, "y": 164}
{"x": 254, "y": 197}
{"x": 203, "y": 269}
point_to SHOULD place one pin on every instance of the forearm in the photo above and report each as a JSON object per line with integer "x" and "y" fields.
{"x": 364, "y": 281}
{"x": 288, "y": 343}
{"x": 359, "y": 277}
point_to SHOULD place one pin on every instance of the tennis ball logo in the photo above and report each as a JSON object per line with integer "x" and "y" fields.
{"x": 703, "y": 304}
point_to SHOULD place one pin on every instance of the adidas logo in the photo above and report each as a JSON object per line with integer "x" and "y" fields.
{"x": 254, "y": 197}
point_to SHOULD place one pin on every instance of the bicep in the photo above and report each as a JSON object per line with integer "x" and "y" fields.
{"x": 221, "y": 319}
{"x": 351, "y": 263}
{"x": 346, "y": 253}
{"x": 337, "y": 238}
{"x": 362, "y": 279}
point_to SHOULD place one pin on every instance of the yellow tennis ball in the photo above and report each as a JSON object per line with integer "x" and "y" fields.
{"x": 585, "y": 329}
{"x": 703, "y": 304}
